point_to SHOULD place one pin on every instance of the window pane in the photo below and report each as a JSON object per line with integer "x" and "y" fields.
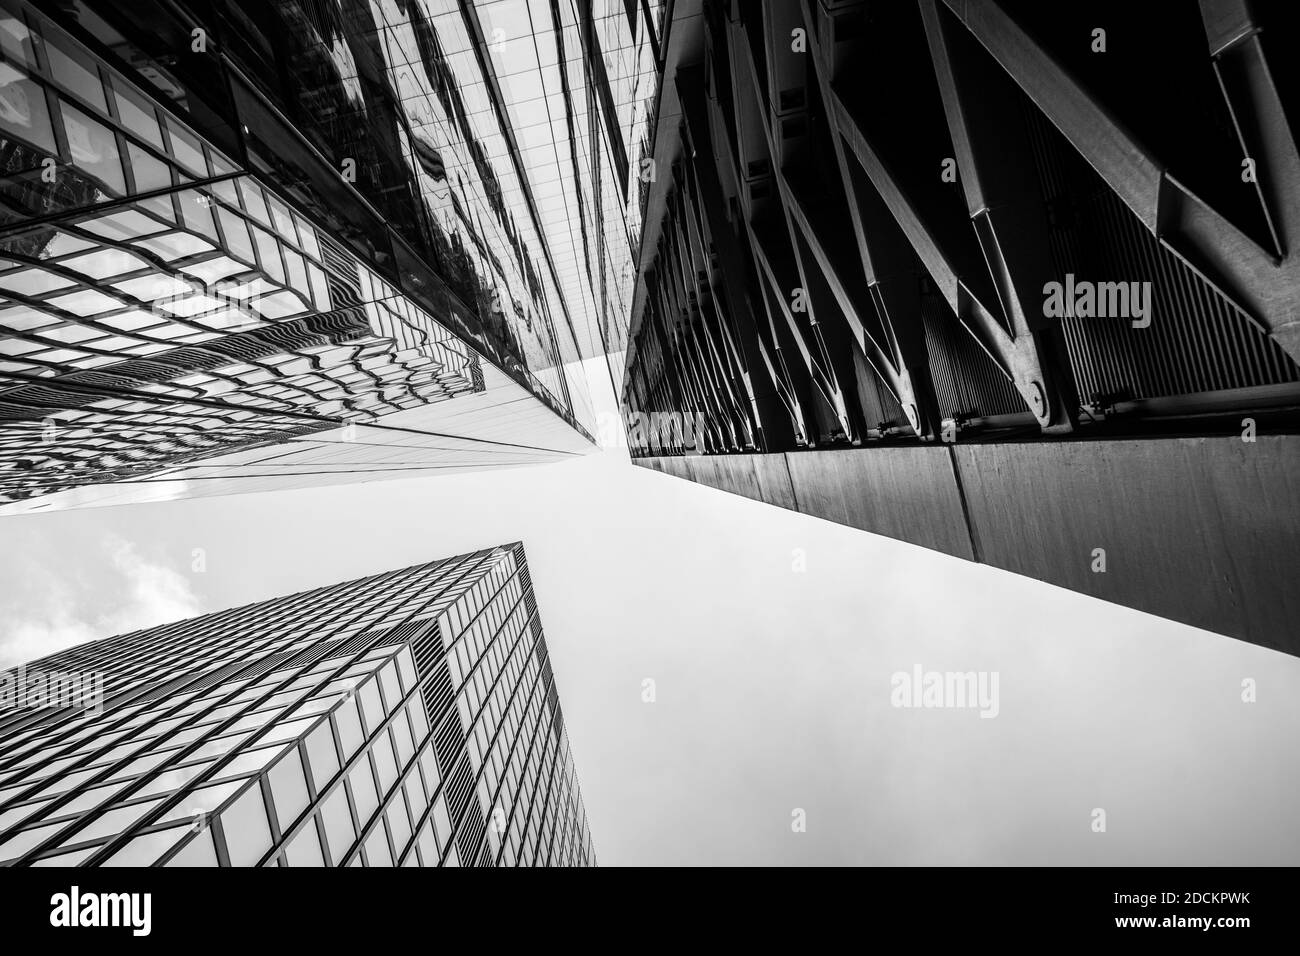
{"x": 200, "y": 803}
{"x": 186, "y": 148}
{"x": 322, "y": 756}
{"x": 145, "y": 850}
{"x": 16, "y": 40}
{"x": 66, "y": 859}
{"x": 137, "y": 114}
{"x": 73, "y": 69}
{"x": 339, "y": 831}
{"x": 305, "y": 848}
{"x": 165, "y": 782}
{"x": 288, "y": 730}
{"x": 150, "y": 173}
{"x": 414, "y": 796}
{"x": 377, "y": 853}
{"x": 385, "y": 765}
{"x": 94, "y": 147}
{"x": 200, "y": 851}
{"x": 371, "y": 707}
{"x": 115, "y": 821}
{"x": 289, "y": 788}
{"x": 11, "y": 818}
{"x": 419, "y": 721}
{"x": 20, "y": 843}
{"x": 363, "y": 791}
{"x": 349, "y": 724}
{"x": 244, "y": 823}
{"x": 430, "y": 766}
{"x": 23, "y": 111}
{"x": 392, "y": 690}
{"x": 406, "y": 668}
{"x": 398, "y": 823}
{"x": 428, "y": 848}
{"x": 404, "y": 738}
{"x": 237, "y": 237}
{"x": 247, "y": 763}
{"x": 441, "y": 822}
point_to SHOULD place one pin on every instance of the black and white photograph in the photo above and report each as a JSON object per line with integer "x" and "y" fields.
{"x": 891, "y": 408}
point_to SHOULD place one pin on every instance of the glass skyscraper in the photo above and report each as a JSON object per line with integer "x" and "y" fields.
{"x": 249, "y": 246}
{"x": 405, "y": 719}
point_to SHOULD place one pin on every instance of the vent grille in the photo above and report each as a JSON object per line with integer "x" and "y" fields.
{"x": 1197, "y": 341}
{"x": 966, "y": 380}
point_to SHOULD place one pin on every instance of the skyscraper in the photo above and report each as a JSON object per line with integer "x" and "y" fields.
{"x": 251, "y": 246}
{"x": 1013, "y": 281}
{"x": 405, "y": 719}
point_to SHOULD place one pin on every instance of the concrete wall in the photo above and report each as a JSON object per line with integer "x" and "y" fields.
{"x": 1205, "y": 531}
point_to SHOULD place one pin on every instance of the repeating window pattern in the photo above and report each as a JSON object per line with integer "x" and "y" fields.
{"x": 196, "y": 313}
{"x": 404, "y": 719}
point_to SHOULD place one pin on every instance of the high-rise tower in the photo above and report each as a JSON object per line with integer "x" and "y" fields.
{"x": 405, "y": 719}
{"x": 250, "y": 246}
{"x": 1012, "y": 281}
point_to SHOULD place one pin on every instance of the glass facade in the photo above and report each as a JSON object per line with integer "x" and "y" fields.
{"x": 405, "y": 719}
{"x": 583, "y": 91}
{"x": 229, "y": 225}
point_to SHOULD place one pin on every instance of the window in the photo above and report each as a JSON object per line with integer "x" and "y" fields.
{"x": 441, "y": 822}
{"x": 288, "y": 730}
{"x": 66, "y": 859}
{"x": 165, "y": 782}
{"x": 216, "y": 748}
{"x": 199, "y": 803}
{"x": 305, "y": 849}
{"x": 430, "y": 766}
{"x": 414, "y": 796}
{"x": 73, "y": 69}
{"x": 145, "y": 850}
{"x": 322, "y": 756}
{"x": 245, "y": 826}
{"x": 114, "y": 821}
{"x": 401, "y": 729}
{"x": 385, "y": 765}
{"x": 20, "y": 843}
{"x": 16, "y": 40}
{"x": 406, "y": 669}
{"x": 94, "y": 147}
{"x": 377, "y": 852}
{"x": 200, "y": 851}
{"x": 186, "y": 148}
{"x": 339, "y": 831}
{"x": 136, "y": 114}
{"x": 349, "y": 725}
{"x": 289, "y": 788}
{"x": 398, "y": 823}
{"x": 392, "y": 691}
{"x": 362, "y": 783}
{"x": 419, "y": 720}
{"x": 428, "y": 847}
{"x": 370, "y": 706}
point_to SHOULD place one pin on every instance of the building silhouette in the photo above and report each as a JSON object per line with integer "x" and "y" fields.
{"x": 1012, "y": 281}
{"x": 408, "y": 718}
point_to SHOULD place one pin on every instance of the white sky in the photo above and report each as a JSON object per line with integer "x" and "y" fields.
{"x": 772, "y": 685}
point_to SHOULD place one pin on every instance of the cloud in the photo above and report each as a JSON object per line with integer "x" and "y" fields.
{"x": 124, "y": 591}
